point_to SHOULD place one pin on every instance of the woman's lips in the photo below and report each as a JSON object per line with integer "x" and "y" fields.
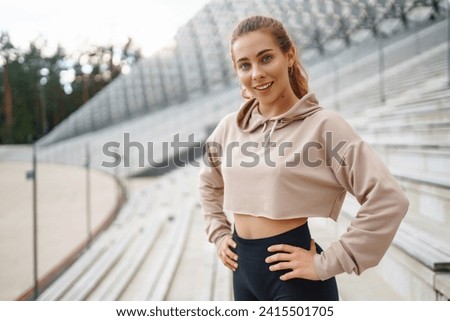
{"x": 264, "y": 86}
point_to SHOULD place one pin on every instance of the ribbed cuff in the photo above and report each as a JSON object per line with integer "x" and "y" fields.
{"x": 220, "y": 239}
{"x": 327, "y": 264}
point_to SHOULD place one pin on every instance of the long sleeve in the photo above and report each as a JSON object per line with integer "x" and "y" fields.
{"x": 383, "y": 206}
{"x": 211, "y": 188}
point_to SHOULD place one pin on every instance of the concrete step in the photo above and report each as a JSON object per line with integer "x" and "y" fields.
{"x": 176, "y": 246}
{"x": 408, "y": 270}
{"x": 442, "y": 281}
{"x": 197, "y": 263}
{"x": 370, "y": 285}
{"x": 114, "y": 284}
{"x": 426, "y": 136}
{"x": 399, "y": 82}
{"x": 94, "y": 275}
{"x": 427, "y": 69}
{"x": 422, "y": 159}
{"x": 428, "y": 195}
{"x": 105, "y": 271}
{"x": 439, "y": 97}
{"x": 425, "y": 241}
{"x": 430, "y": 112}
{"x": 91, "y": 266}
{"x": 142, "y": 284}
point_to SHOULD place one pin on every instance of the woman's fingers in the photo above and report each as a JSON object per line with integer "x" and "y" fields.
{"x": 288, "y": 276}
{"x": 227, "y": 261}
{"x": 282, "y": 248}
{"x": 296, "y": 259}
{"x": 281, "y": 266}
{"x": 231, "y": 264}
{"x": 231, "y": 254}
{"x": 278, "y": 257}
{"x": 231, "y": 242}
{"x": 228, "y": 257}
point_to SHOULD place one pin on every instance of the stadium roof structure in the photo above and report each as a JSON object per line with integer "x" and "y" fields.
{"x": 197, "y": 62}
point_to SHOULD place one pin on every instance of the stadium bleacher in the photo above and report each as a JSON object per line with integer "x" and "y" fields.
{"x": 394, "y": 90}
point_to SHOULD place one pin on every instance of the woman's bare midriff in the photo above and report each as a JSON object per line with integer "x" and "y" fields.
{"x": 256, "y": 227}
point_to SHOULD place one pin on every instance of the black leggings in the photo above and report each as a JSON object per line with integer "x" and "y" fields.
{"x": 253, "y": 281}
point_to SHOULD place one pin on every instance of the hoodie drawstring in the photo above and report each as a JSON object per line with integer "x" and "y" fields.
{"x": 264, "y": 127}
{"x": 272, "y": 130}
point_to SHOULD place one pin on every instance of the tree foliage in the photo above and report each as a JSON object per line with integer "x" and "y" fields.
{"x": 37, "y": 91}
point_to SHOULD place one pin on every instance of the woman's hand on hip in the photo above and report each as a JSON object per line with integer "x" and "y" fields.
{"x": 297, "y": 259}
{"x": 226, "y": 255}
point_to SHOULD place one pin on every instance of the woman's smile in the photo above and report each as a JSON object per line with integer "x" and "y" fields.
{"x": 264, "y": 86}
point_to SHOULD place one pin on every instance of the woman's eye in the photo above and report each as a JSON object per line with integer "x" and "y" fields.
{"x": 244, "y": 66}
{"x": 267, "y": 58}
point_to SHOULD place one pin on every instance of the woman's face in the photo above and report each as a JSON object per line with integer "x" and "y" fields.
{"x": 262, "y": 67}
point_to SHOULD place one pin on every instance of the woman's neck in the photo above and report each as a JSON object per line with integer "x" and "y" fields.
{"x": 278, "y": 107}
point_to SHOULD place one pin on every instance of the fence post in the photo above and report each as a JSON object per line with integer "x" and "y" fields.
{"x": 381, "y": 67}
{"x": 88, "y": 197}
{"x": 336, "y": 83}
{"x": 448, "y": 42}
{"x": 33, "y": 176}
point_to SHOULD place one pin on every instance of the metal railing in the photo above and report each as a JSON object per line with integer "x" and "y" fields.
{"x": 91, "y": 231}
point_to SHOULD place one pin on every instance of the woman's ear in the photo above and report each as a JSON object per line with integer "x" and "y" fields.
{"x": 291, "y": 55}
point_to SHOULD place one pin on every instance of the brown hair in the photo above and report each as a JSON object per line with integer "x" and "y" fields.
{"x": 297, "y": 76}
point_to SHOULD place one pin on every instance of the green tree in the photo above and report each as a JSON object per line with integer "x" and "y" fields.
{"x": 7, "y": 53}
{"x": 34, "y": 97}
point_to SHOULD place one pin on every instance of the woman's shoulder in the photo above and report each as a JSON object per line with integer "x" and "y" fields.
{"x": 228, "y": 121}
{"x": 330, "y": 124}
{"x": 332, "y": 120}
{"x": 330, "y": 116}
{"x": 224, "y": 125}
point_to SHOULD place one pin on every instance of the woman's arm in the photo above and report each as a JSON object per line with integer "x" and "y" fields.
{"x": 383, "y": 206}
{"x": 211, "y": 188}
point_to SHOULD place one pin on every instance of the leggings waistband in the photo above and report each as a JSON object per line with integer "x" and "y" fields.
{"x": 299, "y": 236}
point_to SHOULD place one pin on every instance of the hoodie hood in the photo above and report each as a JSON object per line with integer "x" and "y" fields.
{"x": 249, "y": 119}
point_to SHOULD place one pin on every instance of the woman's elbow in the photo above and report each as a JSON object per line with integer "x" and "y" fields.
{"x": 403, "y": 204}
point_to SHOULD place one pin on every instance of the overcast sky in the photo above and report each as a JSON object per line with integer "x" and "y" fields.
{"x": 74, "y": 24}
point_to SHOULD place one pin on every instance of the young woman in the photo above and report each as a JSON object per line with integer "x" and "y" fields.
{"x": 280, "y": 159}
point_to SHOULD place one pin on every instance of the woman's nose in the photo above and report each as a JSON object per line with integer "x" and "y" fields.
{"x": 258, "y": 73}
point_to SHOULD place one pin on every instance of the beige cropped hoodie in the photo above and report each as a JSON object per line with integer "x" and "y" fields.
{"x": 301, "y": 164}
